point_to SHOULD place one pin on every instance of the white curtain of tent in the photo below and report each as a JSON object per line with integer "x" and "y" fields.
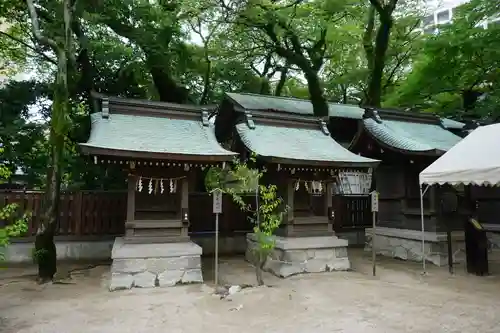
{"x": 475, "y": 160}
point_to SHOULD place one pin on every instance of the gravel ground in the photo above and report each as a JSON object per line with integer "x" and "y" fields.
{"x": 399, "y": 299}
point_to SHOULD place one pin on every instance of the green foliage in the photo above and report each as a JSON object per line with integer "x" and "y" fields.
{"x": 24, "y": 141}
{"x": 463, "y": 57}
{"x": 269, "y": 211}
{"x": 14, "y": 226}
{"x": 268, "y": 219}
{"x": 38, "y": 255}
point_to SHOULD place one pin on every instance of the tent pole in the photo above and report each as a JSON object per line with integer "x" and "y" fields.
{"x": 422, "y": 193}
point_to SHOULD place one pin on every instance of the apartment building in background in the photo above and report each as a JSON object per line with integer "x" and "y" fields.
{"x": 440, "y": 12}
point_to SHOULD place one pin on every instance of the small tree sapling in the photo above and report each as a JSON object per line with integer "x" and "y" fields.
{"x": 241, "y": 180}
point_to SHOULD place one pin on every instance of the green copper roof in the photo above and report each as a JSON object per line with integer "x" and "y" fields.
{"x": 292, "y": 105}
{"x": 154, "y": 134}
{"x": 298, "y": 145}
{"x": 411, "y": 136}
{"x": 304, "y": 107}
{"x": 452, "y": 124}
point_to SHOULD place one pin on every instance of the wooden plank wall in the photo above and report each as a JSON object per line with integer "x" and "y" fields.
{"x": 81, "y": 213}
{"x": 100, "y": 213}
{"x": 352, "y": 212}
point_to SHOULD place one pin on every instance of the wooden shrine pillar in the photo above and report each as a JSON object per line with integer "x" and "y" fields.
{"x": 185, "y": 207}
{"x": 290, "y": 194}
{"x": 286, "y": 228}
{"x": 131, "y": 183}
{"x": 329, "y": 212}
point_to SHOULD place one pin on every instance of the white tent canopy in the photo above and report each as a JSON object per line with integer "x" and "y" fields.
{"x": 474, "y": 160}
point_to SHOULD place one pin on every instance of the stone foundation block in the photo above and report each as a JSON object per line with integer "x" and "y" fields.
{"x": 170, "y": 278}
{"x": 130, "y": 266}
{"x": 316, "y": 266}
{"x": 296, "y": 255}
{"x": 407, "y": 245}
{"x": 145, "y": 280}
{"x": 192, "y": 276}
{"x": 121, "y": 281}
{"x": 150, "y": 265}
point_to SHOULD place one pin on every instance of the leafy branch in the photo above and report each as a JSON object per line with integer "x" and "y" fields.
{"x": 269, "y": 210}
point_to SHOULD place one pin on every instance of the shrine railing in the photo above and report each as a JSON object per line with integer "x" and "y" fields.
{"x": 103, "y": 213}
{"x": 352, "y": 212}
{"x": 81, "y": 213}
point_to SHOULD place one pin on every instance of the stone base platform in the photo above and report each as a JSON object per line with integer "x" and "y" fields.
{"x": 296, "y": 255}
{"x": 407, "y": 245}
{"x": 154, "y": 264}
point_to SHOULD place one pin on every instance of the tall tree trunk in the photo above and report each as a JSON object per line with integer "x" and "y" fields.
{"x": 167, "y": 87}
{"x": 381, "y": 46}
{"x": 282, "y": 81}
{"x": 318, "y": 100}
{"x": 376, "y": 55}
{"x": 45, "y": 250}
{"x": 206, "y": 77}
{"x": 59, "y": 126}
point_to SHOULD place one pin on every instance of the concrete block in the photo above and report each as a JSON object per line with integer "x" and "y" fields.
{"x": 286, "y": 270}
{"x": 192, "y": 276}
{"x": 170, "y": 278}
{"x": 315, "y": 266}
{"x": 340, "y": 264}
{"x": 295, "y": 256}
{"x": 327, "y": 254}
{"x": 340, "y": 252}
{"x": 145, "y": 280}
{"x": 304, "y": 255}
{"x": 122, "y": 250}
{"x": 20, "y": 252}
{"x": 130, "y": 266}
{"x": 121, "y": 281}
{"x": 194, "y": 262}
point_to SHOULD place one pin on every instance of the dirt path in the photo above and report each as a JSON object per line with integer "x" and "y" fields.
{"x": 398, "y": 300}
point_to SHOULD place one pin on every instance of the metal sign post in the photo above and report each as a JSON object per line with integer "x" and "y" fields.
{"x": 374, "y": 209}
{"x": 217, "y": 209}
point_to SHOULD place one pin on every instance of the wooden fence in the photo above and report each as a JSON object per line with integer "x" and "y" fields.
{"x": 87, "y": 213}
{"x": 352, "y": 212}
{"x": 100, "y": 213}
{"x": 81, "y": 213}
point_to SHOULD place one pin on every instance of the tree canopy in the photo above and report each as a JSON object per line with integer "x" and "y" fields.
{"x": 369, "y": 53}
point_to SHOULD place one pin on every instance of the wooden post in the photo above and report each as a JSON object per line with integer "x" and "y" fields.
{"x": 185, "y": 207}
{"x": 78, "y": 213}
{"x": 130, "y": 203}
{"x": 329, "y": 203}
{"x": 290, "y": 203}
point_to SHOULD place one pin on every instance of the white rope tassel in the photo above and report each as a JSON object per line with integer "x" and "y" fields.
{"x": 171, "y": 186}
{"x": 161, "y": 186}
{"x": 140, "y": 184}
{"x": 297, "y": 185}
{"x": 150, "y": 186}
{"x": 320, "y": 187}
{"x": 175, "y": 186}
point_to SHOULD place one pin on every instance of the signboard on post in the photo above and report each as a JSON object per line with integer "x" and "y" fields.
{"x": 374, "y": 208}
{"x": 217, "y": 209}
{"x": 374, "y": 197}
{"x": 217, "y": 204}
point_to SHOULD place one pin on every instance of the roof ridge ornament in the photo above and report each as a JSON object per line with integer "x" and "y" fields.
{"x": 372, "y": 113}
{"x": 204, "y": 117}
{"x": 249, "y": 119}
{"x": 105, "y": 108}
{"x": 324, "y": 128}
